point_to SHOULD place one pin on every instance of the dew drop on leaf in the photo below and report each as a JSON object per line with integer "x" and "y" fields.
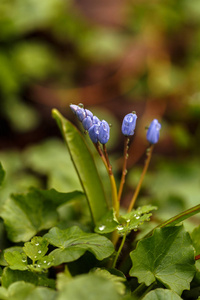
{"x": 102, "y": 227}
{"x": 120, "y": 227}
{"x": 39, "y": 251}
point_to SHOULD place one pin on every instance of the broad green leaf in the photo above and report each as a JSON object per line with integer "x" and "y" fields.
{"x": 26, "y": 214}
{"x": 117, "y": 280}
{"x": 22, "y": 291}
{"x": 73, "y": 243}
{"x": 89, "y": 287}
{"x": 10, "y": 276}
{"x": 166, "y": 256}
{"x": 16, "y": 260}
{"x": 2, "y": 174}
{"x": 162, "y": 294}
{"x": 195, "y": 235}
{"x": 36, "y": 248}
{"x": 85, "y": 167}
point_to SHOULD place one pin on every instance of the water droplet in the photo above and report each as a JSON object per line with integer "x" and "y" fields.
{"x": 48, "y": 263}
{"x": 128, "y": 220}
{"x": 23, "y": 260}
{"x": 38, "y": 266}
{"x": 36, "y": 244}
{"x": 39, "y": 251}
{"x": 137, "y": 217}
{"x": 120, "y": 227}
{"x": 102, "y": 227}
{"x": 45, "y": 261}
{"x": 35, "y": 256}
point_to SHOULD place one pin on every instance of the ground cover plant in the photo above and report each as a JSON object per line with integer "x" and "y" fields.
{"x": 83, "y": 244}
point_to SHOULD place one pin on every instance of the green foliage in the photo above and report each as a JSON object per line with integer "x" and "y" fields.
{"x": 127, "y": 222}
{"x": 73, "y": 243}
{"x": 166, "y": 256}
{"x": 26, "y": 214}
{"x": 22, "y": 291}
{"x": 89, "y": 287}
{"x": 161, "y": 294}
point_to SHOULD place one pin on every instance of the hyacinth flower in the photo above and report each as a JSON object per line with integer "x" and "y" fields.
{"x": 153, "y": 134}
{"x": 128, "y": 128}
{"x": 128, "y": 124}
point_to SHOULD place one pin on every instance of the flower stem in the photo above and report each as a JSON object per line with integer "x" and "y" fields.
{"x": 105, "y": 159}
{"x": 124, "y": 171}
{"x": 119, "y": 251}
{"x": 149, "y": 154}
{"x": 113, "y": 183}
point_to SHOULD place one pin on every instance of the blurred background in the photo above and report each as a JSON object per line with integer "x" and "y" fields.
{"x": 114, "y": 57}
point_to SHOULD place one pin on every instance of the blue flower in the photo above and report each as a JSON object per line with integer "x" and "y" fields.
{"x": 87, "y": 123}
{"x": 94, "y": 133}
{"x": 153, "y": 132}
{"x": 74, "y": 107}
{"x": 128, "y": 124}
{"x": 104, "y": 132}
{"x": 81, "y": 114}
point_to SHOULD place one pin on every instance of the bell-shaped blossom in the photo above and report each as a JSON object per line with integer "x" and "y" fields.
{"x": 74, "y": 107}
{"x": 153, "y": 132}
{"x": 81, "y": 114}
{"x": 128, "y": 124}
{"x": 87, "y": 123}
{"x": 94, "y": 133}
{"x": 104, "y": 132}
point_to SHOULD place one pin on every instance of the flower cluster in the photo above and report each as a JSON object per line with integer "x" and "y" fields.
{"x": 99, "y": 131}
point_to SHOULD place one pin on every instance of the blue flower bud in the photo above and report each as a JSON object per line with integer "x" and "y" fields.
{"x": 74, "y": 108}
{"x": 96, "y": 120}
{"x": 153, "y": 132}
{"x": 128, "y": 124}
{"x": 94, "y": 133}
{"x": 87, "y": 123}
{"x": 104, "y": 132}
{"x": 89, "y": 113}
{"x": 81, "y": 114}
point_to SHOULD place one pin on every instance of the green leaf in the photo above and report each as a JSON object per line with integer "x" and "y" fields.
{"x": 107, "y": 224}
{"x": 22, "y": 291}
{"x": 26, "y": 214}
{"x": 135, "y": 218}
{"x": 85, "y": 167}
{"x": 73, "y": 243}
{"x": 3, "y": 262}
{"x": 89, "y": 287}
{"x": 10, "y": 276}
{"x": 36, "y": 248}
{"x": 129, "y": 221}
{"x": 195, "y": 236}
{"x": 162, "y": 294}
{"x": 2, "y": 174}
{"x": 117, "y": 281}
{"x": 3, "y": 293}
{"x": 16, "y": 260}
{"x": 166, "y": 256}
